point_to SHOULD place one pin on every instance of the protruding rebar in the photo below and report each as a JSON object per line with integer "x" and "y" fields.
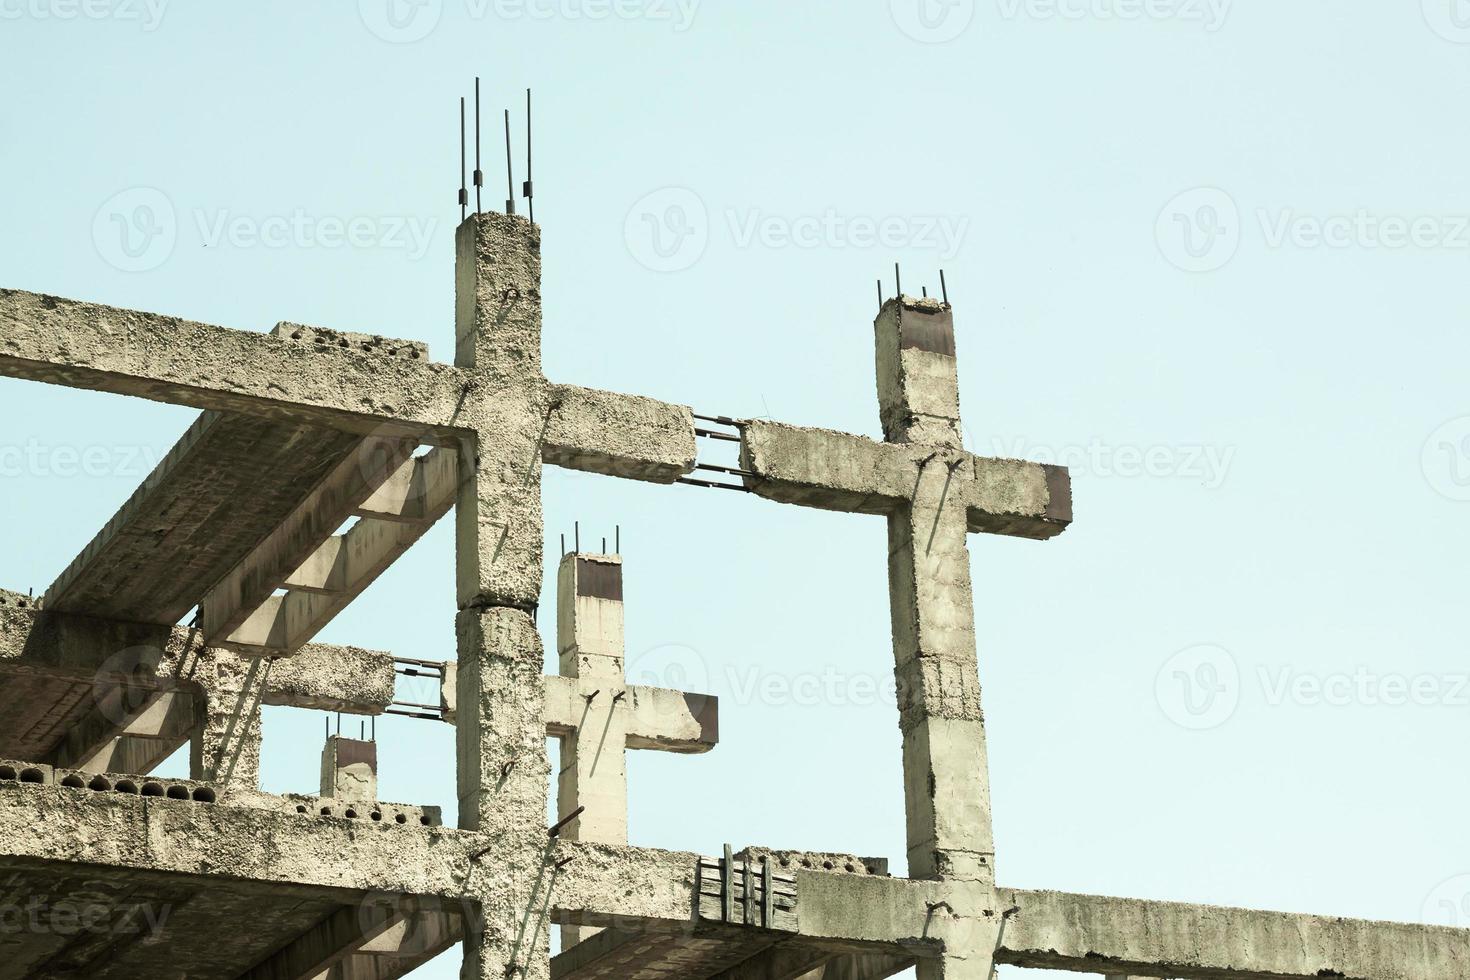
{"x": 944, "y": 288}
{"x": 711, "y": 485}
{"x": 510, "y": 181}
{"x": 898, "y": 281}
{"x": 724, "y": 469}
{"x": 555, "y": 829}
{"x": 479, "y": 174}
{"x": 526, "y": 188}
{"x": 464, "y": 194}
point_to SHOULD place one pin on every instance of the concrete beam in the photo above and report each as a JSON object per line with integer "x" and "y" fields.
{"x": 84, "y": 679}
{"x": 411, "y": 493}
{"x": 373, "y": 389}
{"x": 328, "y": 944}
{"x": 1043, "y": 930}
{"x": 327, "y": 581}
{"x": 225, "y": 484}
{"x": 255, "y": 850}
{"x": 369, "y": 941}
{"x": 1018, "y": 499}
{"x": 167, "y": 359}
{"x": 787, "y": 961}
{"x": 321, "y": 677}
{"x": 243, "y": 594}
{"x": 826, "y": 469}
{"x": 1090, "y": 934}
{"x": 860, "y": 966}
{"x": 127, "y": 754}
{"x": 96, "y": 744}
{"x": 619, "y": 435}
{"x": 659, "y": 719}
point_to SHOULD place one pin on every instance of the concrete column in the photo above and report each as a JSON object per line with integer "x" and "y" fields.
{"x": 503, "y": 774}
{"x": 498, "y": 323}
{"x": 500, "y": 710}
{"x": 918, "y": 383}
{"x": 349, "y": 769}
{"x": 225, "y": 749}
{"x": 589, "y": 629}
{"x": 932, "y": 605}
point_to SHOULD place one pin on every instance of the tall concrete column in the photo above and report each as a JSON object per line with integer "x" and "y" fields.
{"x": 500, "y": 718}
{"x": 589, "y": 630}
{"x": 932, "y": 605}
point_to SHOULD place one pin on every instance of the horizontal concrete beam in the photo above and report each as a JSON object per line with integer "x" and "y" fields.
{"x": 320, "y": 677}
{"x": 282, "y": 549}
{"x": 620, "y": 885}
{"x": 166, "y": 719}
{"x": 1090, "y": 934}
{"x": 167, "y": 359}
{"x": 853, "y": 474}
{"x": 659, "y": 719}
{"x": 826, "y": 469}
{"x": 1019, "y": 499}
{"x": 411, "y": 493}
{"x": 132, "y": 754}
{"x": 216, "y": 845}
{"x": 224, "y": 485}
{"x": 374, "y": 940}
{"x": 627, "y": 436}
{"x": 373, "y": 389}
{"x": 326, "y": 581}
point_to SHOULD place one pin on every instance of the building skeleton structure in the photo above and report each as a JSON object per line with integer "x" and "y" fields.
{"x": 305, "y": 429}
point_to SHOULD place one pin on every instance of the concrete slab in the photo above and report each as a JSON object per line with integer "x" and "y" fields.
{"x": 228, "y": 482}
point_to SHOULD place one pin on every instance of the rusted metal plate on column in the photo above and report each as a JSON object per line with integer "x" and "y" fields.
{"x": 599, "y": 580}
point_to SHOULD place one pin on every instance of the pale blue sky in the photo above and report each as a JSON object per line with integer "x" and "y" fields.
{"x": 1211, "y": 254}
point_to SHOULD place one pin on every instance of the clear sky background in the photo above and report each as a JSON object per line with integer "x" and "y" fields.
{"x": 1212, "y": 256}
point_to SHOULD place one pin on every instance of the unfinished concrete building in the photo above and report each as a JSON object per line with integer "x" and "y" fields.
{"x": 304, "y": 429}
